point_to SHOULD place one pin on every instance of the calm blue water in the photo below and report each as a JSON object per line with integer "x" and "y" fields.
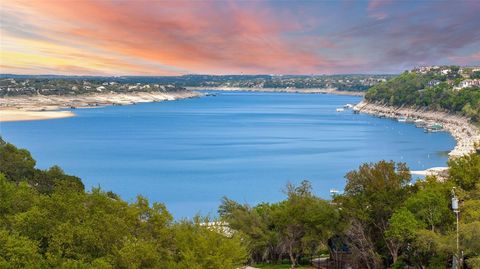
{"x": 247, "y": 146}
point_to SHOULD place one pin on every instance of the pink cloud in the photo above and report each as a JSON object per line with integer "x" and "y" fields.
{"x": 196, "y": 36}
{"x": 472, "y": 59}
{"x": 177, "y": 37}
{"x": 374, "y": 4}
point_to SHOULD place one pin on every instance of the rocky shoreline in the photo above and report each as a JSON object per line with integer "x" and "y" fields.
{"x": 465, "y": 133}
{"x": 40, "y": 107}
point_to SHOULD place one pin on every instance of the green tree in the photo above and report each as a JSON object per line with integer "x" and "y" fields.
{"x": 470, "y": 242}
{"x": 200, "y": 246}
{"x": 138, "y": 255}
{"x": 425, "y": 251}
{"x": 372, "y": 194}
{"x": 258, "y": 226}
{"x": 402, "y": 228}
{"x": 465, "y": 171}
{"x": 431, "y": 204}
{"x": 16, "y": 164}
{"x": 18, "y": 251}
{"x": 297, "y": 226}
{"x": 304, "y": 221}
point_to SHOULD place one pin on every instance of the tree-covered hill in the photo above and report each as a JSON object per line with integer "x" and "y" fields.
{"x": 447, "y": 88}
{"x": 45, "y": 85}
{"x": 51, "y": 84}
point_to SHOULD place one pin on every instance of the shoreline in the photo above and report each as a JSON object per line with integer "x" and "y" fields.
{"x": 44, "y": 107}
{"x": 284, "y": 90}
{"x": 462, "y": 130}
{"x": 25, "y": 115}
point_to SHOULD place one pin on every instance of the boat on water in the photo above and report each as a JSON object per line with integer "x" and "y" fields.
{"x": 348, "y": 106}
{"x": 402, "y": 119}
{"x": 340, "y": 109}
{"x": 431, "y": 130}
{"x": 434, "y": 128}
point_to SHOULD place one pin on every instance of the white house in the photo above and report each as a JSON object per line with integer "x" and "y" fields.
{"x": 467, "y": 83}
{"x": 445, "y": 71}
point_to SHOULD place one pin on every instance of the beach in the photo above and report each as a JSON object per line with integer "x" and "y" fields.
{"x": 43, "y": 107}
{"x": 287, "y": 90}
{"x": 465, "y": 133}
{"x": 22, "y": 115}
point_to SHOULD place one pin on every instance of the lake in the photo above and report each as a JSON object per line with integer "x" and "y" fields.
{"x": 190, "y": 153}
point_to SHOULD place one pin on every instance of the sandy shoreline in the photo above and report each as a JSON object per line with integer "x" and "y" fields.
{"x": 286, "y": 90}
{"x": 43, "y": 107}
{"x": 465, "y": 133}
{"x": 22, "y": 115}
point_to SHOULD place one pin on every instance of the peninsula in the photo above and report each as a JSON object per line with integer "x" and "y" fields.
{"x": 38, "y": 99}
{"x": 445, "y": 96}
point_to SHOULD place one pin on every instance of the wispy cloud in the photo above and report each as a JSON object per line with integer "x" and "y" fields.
{"x": 176, "y": 37}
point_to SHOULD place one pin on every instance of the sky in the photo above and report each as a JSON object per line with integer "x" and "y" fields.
{"x": 139, "y": 37}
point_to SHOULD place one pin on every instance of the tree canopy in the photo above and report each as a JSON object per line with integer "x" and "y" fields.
{"x": 383, "y": 219}
{"x": 47, "y": 220}
{"x": 431, "y": 90}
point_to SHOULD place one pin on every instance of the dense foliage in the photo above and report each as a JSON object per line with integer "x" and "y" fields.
{"x": 296, "y": 227}
{"x": 46, "y": 85}
{"x": 382, "y": 218}
{"x": 432, "y": 90}
{"x": 47, "y": 220}
{"x": 75, "y": 86}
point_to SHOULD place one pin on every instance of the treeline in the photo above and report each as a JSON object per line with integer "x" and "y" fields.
{"x": 431, "y": 90}
{"x": 346, "y": 82}
{"x": 75, "y": 86}
{"x": 382, "y": 220}
{"x": 47, "y": 220}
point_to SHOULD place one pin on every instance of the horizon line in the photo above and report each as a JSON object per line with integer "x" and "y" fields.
{"x": 194, "y": 74}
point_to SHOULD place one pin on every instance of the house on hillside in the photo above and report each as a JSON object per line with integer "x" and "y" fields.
{"x": 445, "y": 71}
{"x": 425, "y": 69}
{"x": 467, "y": 83}
{"x": 434, "y": 82}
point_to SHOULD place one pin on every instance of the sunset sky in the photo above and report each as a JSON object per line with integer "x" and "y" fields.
{"x": 100, "y": 37}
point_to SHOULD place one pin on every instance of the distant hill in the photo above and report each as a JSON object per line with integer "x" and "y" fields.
{"x": 15, "y": 85}
{"x": 347, "y": 82}
{"x": 443, "y": 88}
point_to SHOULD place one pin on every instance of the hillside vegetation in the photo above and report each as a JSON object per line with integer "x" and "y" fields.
{"x": 383, "y": 219}
{"x": 32, "y": 86}
{"x": 63, "y": 84}
{"x": 436, "y": 88}
{"x": 47, "y": 220}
